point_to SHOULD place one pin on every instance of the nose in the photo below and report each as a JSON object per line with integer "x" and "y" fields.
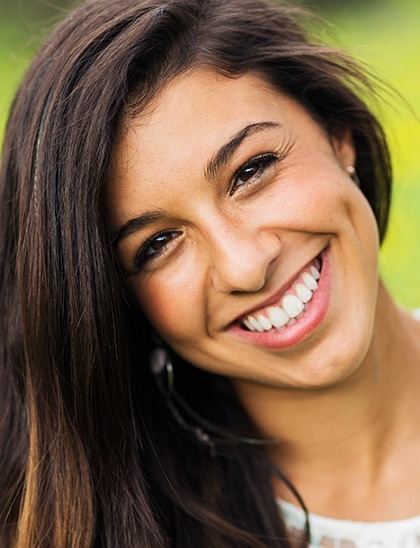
{"x": 241, "y": 257}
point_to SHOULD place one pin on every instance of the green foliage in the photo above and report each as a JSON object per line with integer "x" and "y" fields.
{"x": 13, "y": 59}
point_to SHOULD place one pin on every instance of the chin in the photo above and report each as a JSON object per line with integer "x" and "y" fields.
{"x": 336, "y": 363}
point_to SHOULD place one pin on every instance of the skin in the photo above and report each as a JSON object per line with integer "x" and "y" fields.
{"x": 229, "y": 246}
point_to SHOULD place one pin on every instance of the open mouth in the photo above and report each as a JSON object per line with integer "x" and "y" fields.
{"x": 291, "y": 306}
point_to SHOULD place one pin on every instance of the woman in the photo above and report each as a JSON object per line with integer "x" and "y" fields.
{"x": 194, "y": 338}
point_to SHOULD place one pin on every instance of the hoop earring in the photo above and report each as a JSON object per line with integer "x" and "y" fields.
{"x": 353, "y": 174}
{"x": 160, "y": 362}
{"x": 205, "y": 432}
{"x": 160, "y": 366}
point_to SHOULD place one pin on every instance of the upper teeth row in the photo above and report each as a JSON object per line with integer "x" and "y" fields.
{"x": 292, "y": 304}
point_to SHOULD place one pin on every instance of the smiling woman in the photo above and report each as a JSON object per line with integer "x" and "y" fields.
{"x": 196, "y": 347}
{"x": 238, "y": 229}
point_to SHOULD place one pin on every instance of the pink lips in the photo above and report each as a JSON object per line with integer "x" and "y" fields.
{"x": 287, "y": 337}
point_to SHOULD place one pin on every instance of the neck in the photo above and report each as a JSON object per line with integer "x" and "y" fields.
{"x": 352, "y": 426}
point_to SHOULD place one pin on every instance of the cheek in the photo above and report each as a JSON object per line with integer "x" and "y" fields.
{"x": 337, "y": 205}
{"x": 320, "y": 205}
{"x": 361, "y": 221}
{"x": 168, "y": 298}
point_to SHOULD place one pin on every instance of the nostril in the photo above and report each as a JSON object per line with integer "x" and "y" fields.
{"x": 245, "y": 291}
{"x": 242, "y": 260}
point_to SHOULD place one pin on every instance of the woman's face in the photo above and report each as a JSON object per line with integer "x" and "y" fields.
{"x": 228, "y": 199}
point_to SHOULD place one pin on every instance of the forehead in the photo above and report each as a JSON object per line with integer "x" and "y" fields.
{"x": 201, "y": 100}
{"x": 186, "y": 123}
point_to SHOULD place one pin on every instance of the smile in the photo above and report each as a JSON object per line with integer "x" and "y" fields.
{"x": 292, "y": 305}
{"x": 300, "y": 309}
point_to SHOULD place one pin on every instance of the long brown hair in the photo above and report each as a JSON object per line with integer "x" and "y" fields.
{"x": 90, "y": 453}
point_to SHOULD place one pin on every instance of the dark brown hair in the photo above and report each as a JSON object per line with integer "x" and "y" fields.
{"x": 90, "y": 453}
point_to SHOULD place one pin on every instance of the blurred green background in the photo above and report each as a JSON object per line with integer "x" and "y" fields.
{"x": 382, "y": 33}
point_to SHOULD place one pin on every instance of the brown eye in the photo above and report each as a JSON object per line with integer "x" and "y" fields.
{"x": 157, "y": 244}
{"x": 252, "y": 171}
{"x": 249, "y": 172}
{"x": 154, "y": 247}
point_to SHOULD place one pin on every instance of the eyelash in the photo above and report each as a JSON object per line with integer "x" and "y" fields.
{"x": 261, "y": 162}
{"x": 143, "y": 256}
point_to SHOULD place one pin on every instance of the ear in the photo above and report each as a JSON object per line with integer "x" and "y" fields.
{"x": 344, "y": 150}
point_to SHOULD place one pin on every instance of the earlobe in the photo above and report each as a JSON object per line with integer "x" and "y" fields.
{"x": 344, "y": 149}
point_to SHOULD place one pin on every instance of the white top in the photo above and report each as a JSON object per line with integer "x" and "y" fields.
{"x": 341, "y": 533}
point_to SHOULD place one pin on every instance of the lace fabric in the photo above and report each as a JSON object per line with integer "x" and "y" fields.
{"x": 339, "y": 533}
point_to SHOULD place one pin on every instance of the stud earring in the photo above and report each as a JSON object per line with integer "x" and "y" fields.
{"x": 353, "y": 174}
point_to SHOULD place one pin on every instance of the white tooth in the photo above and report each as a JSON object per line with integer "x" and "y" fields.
{"x": 317, "y": 264}
{"x": 265, "y": 322}
{"x": 248, "y": 324}
{"x": 309, "y": 281}
{"x": 292, "y": 305}
{"x": 255, "y": 324}
{"x": 278, "y": 316}
{"x": 290, "y": 322}
{"x": 303, "y": 293}
{"x": 315, "y": 273}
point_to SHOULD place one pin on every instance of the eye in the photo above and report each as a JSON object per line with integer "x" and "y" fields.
{"x": 252, "y": 171}
{"x": 155, "y": 247}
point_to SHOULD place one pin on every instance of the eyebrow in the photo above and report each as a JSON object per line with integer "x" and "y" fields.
{"x": 225, "y": 153}
{"x": 135, "y": 224}
{"x": 220, "y": 159}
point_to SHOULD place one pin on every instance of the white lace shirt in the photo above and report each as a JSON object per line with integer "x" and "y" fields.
{"x": 340, "y": 533}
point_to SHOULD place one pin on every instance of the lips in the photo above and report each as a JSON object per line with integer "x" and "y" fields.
{"x": 286, "y": 319}
{"x": 291, "y": 306}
